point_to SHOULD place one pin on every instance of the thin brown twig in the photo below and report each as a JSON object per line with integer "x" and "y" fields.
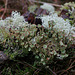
{"x": 72, "y": 63}
{"x": 52, "y": 71}
{"x": 10, "y": 10}
{"x": 28, "y": 64}
{"x": 69, "y": 67}
{"x": 67, "y": 70}
{"x": 5, "y": 9}
{"x": 63, "y": 71}
{"x": 37, "y": 71}
{"x": 56, "y": 5}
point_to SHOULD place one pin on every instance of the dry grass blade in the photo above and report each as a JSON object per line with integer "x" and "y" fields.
{"x": 5, "y": 9}
{"x": 68, "y": 68}
{"x": 56, "y": 5}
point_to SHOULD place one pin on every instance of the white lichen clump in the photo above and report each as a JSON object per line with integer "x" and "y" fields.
{"x": 69, "y": 6}
{"x": 71, "y": 10}
{"x": 48, "y": 7}
{"x": 60, "y": 24}
{"x": 16, "y": 21}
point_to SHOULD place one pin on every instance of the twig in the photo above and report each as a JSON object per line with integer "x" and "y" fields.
{"x": 5, "y": 9}
{"x": 63, "y": 71}
{"x": 69, "y": 67}
{"x": 37, "y": 71}
{"x": 72, "y": 63}
{"x": 10, "y": 10}
{"x": 56, "y": 5}
{"x": 28, "y": 64}
{"x": 26, "y": 73}
{"x": 52, "y": 71}
{"x": 67, "y": 70}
